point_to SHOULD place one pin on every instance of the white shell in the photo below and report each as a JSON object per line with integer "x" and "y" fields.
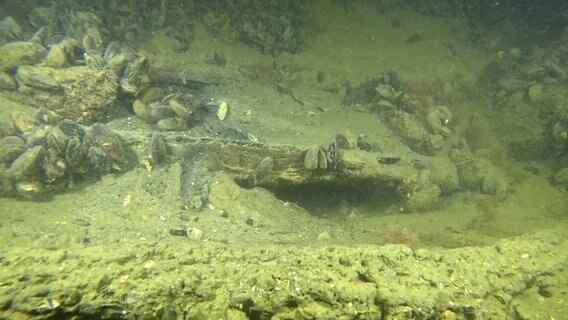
{"x": 222, "y": 111}
{"x": 194, "y": 234}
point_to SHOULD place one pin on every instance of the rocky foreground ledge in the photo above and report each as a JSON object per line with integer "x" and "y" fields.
{"x": 171, "y": 279}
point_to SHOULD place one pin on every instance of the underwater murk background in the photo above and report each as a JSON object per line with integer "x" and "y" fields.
{"x": 284, "y": 159}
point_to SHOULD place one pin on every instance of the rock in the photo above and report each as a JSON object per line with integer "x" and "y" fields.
{"x": 86, "y": 93}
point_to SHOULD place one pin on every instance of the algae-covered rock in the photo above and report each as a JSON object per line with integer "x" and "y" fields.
{"x": 84, "y": 93}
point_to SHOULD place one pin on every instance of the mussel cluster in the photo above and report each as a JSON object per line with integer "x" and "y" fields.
{"x": 272, "y": 35}
{"x": 66, "y": 65}
{"x": 422, "y": 128}
{"x": 168, "y": 113}
{"x": 44, "y": 153}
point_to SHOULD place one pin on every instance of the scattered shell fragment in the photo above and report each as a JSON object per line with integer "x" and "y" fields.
{"x": 126, "y": 201}
{"x": 324, "y": 236}
{"x": 194, "y": 233}
{"x": 222, "y": 111}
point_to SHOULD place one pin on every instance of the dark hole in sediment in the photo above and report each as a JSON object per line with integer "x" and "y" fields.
{"x": 342, "y": 198}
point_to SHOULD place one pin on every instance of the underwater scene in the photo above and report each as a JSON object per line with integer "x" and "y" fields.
{"x": 325, "y": 159}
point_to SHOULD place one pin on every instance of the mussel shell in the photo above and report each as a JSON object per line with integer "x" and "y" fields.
{"x": 56, "y": 57}
{"x": 45, "y": 36}
{"x": 56, "y": 140}
{"x": 28, "y": 189}
{"x": 179, "y": 109}
{"x": 171, "y": 124}
{"x": 311, "y": 159}
{"x": 260, "y": 172}
{"x": 41, "y": 16}
{"x": 26, "y": 163}
{"x": 46, "y": 116}
{"x": 158, "y": 149}
{"x": 7, "y": 82}
{"x": 7, "y": 129}
{"x": 10, "y": 30}
{"x": 75, "y": 153}
{"x": 11, "y": 147}
{"x": 71, "y": 128}
{"x": 143, "y": 110}
{"x": 135, "y": 77}
{"x": 93, "y": 41}
{"x": 54, "y": 167}
{"x": 20, "y": 53}
{"x": 322, "y": 160}
{"x": 99, "y": 135}
{"x": 160, "y": 111}
{"x": 99, "y": 160}
{"x": 36, "y": 77}
{"x": 36, "y": 136}
{"x": 22, "y": 122}
{"x": 211, "y": 106}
